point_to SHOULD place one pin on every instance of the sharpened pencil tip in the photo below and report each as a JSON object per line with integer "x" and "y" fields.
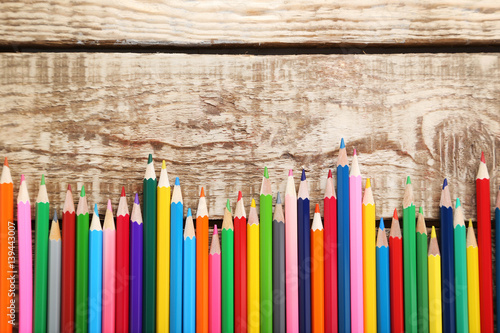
{"x": 458, "y": 204}
{"x": 109, "y": 207}
{"x": 470, "y": 223}
{"x": 95, "y": 210}
{"x": 177, "y": 181}
{"x": 55, "y": 215}
{"x": 278, "y": 198}
{"x": 123, "y": 191}
{"x": 421, "y": 210}
{"x": 408, "y": 180}
{"x": 433, "y": 232}
{"x": 202, "y": 193}
{"x": 330, "y": 173}
{"x": 82, "y": 192}
{"x": 215, "y": 229}
{"x": 342, "y": 144}
{"x": 150, "y": 158}
{"x": 163, "y": 165}
{"x": 69, "y": 187}
{"x": 240, "y": 195}
{"x": 290, "y": 172}
{"x": 382, "y": 225}
{"x": 42, "y": 182}
{"x": 6, "y": 162}
{"x": 445, "y": 183}
{"x": 228, "y": 205}
{"x": 355, "y": 152}
{"x": 368, "y": 183}
{"x": 303, "y": 177}
{"x": 253, "y": 203}
{"x": 395, "y": 214}
{"x": 136, "y": 200}
{"x": 189, "y": 213}
{"x": 266, "y": 173}
{"x": 482, "y": 157}
{"x": 316, "y": 209}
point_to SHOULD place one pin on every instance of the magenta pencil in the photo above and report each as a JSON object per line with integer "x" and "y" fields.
{"x": 108, "y": 269}
{"x": 330, "y": 255}
{"x": 356, "y": 241}
{"x": 25, "y": 259}
{"x": 291, "y": 264}
{"x": 214, "y": 285}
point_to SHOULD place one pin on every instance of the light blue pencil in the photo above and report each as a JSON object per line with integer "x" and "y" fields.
{"x": 95, "y": 274}
{"x": 176, "y": 242}
{"x": 383, "y": 296}
{"x": 189, "y": 270}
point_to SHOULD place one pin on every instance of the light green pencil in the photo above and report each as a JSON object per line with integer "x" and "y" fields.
{"x": 460, "y": 251}
{"x": 227, "y": 271}
{"x": 266, "y": 255}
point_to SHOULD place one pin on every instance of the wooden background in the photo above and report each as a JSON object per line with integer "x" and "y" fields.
{"x": 221, "y": 89}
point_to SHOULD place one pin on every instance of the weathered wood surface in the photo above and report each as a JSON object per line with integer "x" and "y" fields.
{"x": 218, "y": 120}
{"x": 205, "y": 23}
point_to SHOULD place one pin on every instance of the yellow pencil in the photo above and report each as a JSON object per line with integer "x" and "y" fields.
{"x": 473, "y": 281}
{"x": 163, "y": 253}
{"x": 434, "y": 265}
{"x": 253, "y": 282}
{"x": 369, "y": 261}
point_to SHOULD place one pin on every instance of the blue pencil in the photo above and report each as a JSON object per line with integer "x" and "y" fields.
{"x": 95, "y": 274}
{"x": 344, "y": 283}
{"x": 497, "y": 248}
{"x": 189, "y": 271}
{"x": 383, "y": 293}
{"x": 447, "y": 260}
{"x": 304, "y": 247}
{"x": 176, "y": 242}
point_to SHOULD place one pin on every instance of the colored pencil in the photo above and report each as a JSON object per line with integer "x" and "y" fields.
{"x": 95, "y": 274}
{"x": 410, "y": 259}
{"x": 279, "y": 292}
{"x": 383, "y": 284}
{"x": 109, "y": 271}
{"x": 369, "y": 260}
{"x": 484, "y": 246}
{"x": 41, "y": 259}
{"x": 122, "y": 263}
{"x": 434, "y": 262}
{"x": 136, "y": 267}
{"x": 227, "y": 255}
{"x": 149, "y": 260}
{"x": 356, "y": 246}
{"x": 473, "y": 281}
{"x": 304, "y": 226}
{"x": 189, "y": 273}
{"x": 25, "y": 259}
{"x": 253, "y": 284}
{"x": 214, "y": 285}
{"x": 396, "y": 274}
{"x": 447, "y": 260}
{"x": 82, "y": 264}
{"x": 202, "y": 265}
{"x": 317, "y": 274}
{"x": 163, "y": 253}
{"x": 422, "y": 274}
{"x": 68, "y": 265}
{"x": 240, "y": 267}
{"x": 291, "y": 265}
{"x": 460, "y": 254}
{"x": 497, "y": 248}
{"x": 330, "y": 222}
{"x": 344, "y": 280}
{"x": 54, "y": 278}
{"x": 6, "y": 260}
{"x": 266, "y": 254}
{"x": 176, "y": 242}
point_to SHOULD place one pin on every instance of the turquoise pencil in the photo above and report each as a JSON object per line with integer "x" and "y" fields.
{"x": 95, "y": 274}
{"x": 176, "y": 243}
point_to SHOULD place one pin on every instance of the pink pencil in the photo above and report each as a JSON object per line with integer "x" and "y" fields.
{"x": 214, "y": 288}
{"x": 356, "y": 239}
{"x": 291, "y": 270}
{"x": 108, "y": 272}
{"x": 25, "y": 259}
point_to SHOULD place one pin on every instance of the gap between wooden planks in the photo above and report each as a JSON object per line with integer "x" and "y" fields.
{"x": 218, "y": 120}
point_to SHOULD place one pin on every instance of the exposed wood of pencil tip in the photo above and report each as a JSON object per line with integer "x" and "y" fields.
{"x": 55, "y": 232}
{"x": 382, "y": 238}
{"x": 189, "y": 231}
{"x": 227, "y": 222}
{"x": 395, "y": 227}
{"x": 471, "y": 236}
{"x": 215, "y": 245}
{"x": 433, "y": 245}
{"x": 421, "y": 227}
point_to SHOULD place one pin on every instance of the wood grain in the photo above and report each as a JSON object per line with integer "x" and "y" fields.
{"x": 275, "y": 22}
{"x": 218, "y": 120}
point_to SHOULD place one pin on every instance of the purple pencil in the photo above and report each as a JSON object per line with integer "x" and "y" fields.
{"x": 136, "y": 237}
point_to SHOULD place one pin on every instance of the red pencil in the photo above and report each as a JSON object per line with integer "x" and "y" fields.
{"x": 68, "y": 265}
{"x": 240, "y": 267}
{"x": 484, "y": 246}
{"x": 330, "y": 234}
{"x": 122, "y": 264}
{"x": 396, "y": 276}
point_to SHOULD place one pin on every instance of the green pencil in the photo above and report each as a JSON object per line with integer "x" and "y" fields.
{"x": 460, "y": 251}
{"x": 41, "y": 252}
{"x": 227, "y": 271}
{"x": 149, "y": 262}
{"x": 422, "y": 287}
{"x": 266, "y": 255}
{"x": 409, "y": 259}
{"x": 82, "y": 264}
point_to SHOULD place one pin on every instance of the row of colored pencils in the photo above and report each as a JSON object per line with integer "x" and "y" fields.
{"x": 270, "y": 273}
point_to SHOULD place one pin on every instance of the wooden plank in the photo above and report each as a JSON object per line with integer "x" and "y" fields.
{"x": 218, "y": 120}
{"x": 274, "y": 23}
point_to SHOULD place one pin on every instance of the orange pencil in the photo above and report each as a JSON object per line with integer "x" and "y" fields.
{"x": 317, "y": 274}
{"x": 202, "y": 265}
{"x": 6, "y": 222}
